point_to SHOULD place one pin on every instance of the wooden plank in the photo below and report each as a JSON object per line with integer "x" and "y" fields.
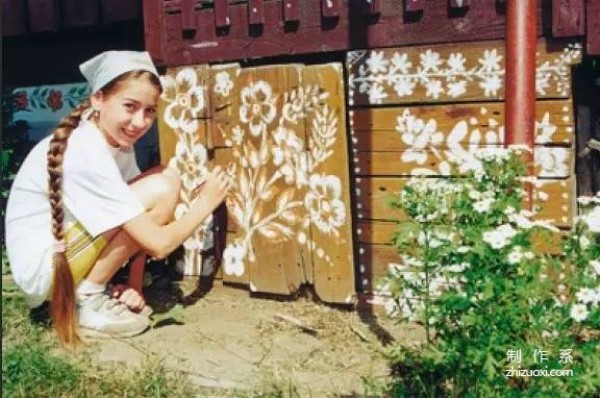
{"x": 374, "y": 7}
{"x": 568, "y": 18}
{"x": 14, "y": 17}
{"x": 550, "y": 162}
{"x": 328, "y": 196}
{"x": 256, "y": 12}
{"x": 182, "y": 130}
{"x": 375, "y": 232}
{"x": 43, "y": 16}
{"x": 264, "y": 203}
{"x": 552, "y": 200}
{"x": 592, "y": 33}
{"x": 225, "y": 105}
{"x": 291, "y": 10}
{"x": 374, "y": 261}
{"x": 222, "y": 13}
{"x": 119, "y": 10}
{"x": 80, "y": 12}
{"x": 330, "y": 8}
{"x": 399, "y": 128}
{"x": 153, "y": 30}
{"x": 443, "y": 73}
{"x": 351, "y": 31}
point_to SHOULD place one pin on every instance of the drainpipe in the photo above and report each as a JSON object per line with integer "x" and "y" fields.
{"x": 519, "y": 115}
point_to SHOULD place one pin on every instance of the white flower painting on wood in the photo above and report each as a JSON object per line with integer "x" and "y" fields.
{"x": 278, "y": 191}
{"x": 185, "y": 100}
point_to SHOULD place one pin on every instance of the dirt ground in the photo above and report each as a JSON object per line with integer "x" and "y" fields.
{"x": 229, "y": 340}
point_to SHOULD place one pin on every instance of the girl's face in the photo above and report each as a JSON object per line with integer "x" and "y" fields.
{"x": 126, "y": 114}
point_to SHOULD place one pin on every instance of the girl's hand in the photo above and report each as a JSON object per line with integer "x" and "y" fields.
{"x": 128, "y": 296}
{"x": 212, "y": 191}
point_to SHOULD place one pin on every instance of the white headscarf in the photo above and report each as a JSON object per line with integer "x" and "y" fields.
{"x": 108, "y": 65}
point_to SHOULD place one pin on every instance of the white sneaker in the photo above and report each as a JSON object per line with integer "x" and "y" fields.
{"x": 100, "y": 315}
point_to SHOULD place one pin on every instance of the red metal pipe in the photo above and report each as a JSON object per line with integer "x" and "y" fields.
{"x": 521, "y": 28}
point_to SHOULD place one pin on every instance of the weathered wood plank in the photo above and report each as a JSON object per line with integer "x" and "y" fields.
{"x": 552, "y": 199}
{"x": 291, "y": 10}
{"x": 375, "y": 232}
{"x": 413, "y": 5}
{"x": 154, "y": 23}
{"x": 226, "y": 105}
{"x": 328, "y": 195}
{"x": 351, "y": 31}
{"x": 443, "y": 73}
{"x": 182, "y": 130}
{"x": 592, "y": 27}
{"x": 459, "y": 3}
{"x": 263, "y": 202}
{"x": 222, "y": 13}
{"x": 568, "y": 18}
{"x": 550, "y": 162}
{"x": 391, "y": 129}
{"x": 80, "y": 12}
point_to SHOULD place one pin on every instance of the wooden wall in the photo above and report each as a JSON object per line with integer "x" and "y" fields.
{"x": 414, "y": 109}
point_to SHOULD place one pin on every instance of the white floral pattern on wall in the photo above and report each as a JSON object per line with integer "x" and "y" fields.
{"x": 462, "y": 142}
{"x": 273, "y": 170}
{"x": 381, "y": 75}
{"x": 185, "y": 100}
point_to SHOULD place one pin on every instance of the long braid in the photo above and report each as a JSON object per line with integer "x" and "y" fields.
{"x": 62, "y": 306}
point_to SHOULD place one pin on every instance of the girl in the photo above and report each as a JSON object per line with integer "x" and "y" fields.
{"x": 72, "y": 218}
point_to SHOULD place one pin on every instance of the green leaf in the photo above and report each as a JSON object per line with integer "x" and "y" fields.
{"x": 174, "y": 315}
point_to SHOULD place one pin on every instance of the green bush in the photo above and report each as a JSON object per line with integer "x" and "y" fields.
{"x": 490, "y": 304}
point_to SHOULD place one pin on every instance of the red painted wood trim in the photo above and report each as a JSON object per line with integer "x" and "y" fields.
{"x": 413, "y": 5}
{"x": 256, "y": 12}
{"x": 374, "y": 7}
{"x": 222, "y": 13}
{"x": 568, "y": 18}
{"x": 120, "y": 10}
{"x": 153, "y": 29}
{"x": 330, "y": 8}
{"x": 593, "y": 27}
{"x": 291, "y": 10}
{"x": 188, "y": 15}
{"x": 459, "y": 3}
{"x": 520, "y": 72}
{"x": 80, "y": 12}
{"x": 14, "y": 17}
{"x": 43, "y": 16}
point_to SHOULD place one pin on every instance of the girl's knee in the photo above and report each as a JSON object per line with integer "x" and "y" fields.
{"x": 158, "y": 190}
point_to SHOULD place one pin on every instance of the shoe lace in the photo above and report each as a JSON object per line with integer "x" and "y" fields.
{"x": 110, "y": 303}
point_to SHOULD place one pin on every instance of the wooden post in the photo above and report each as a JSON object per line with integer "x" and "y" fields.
{"x": 520, "y": 71}
{"x": 521, "y": 24}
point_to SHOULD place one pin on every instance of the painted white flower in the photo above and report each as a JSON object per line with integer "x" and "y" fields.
{"x": 553, "y": 162}
{"x": 490, "y": 61}
{"x": 190, "y": 162}
{"x": 434, "y": 88}
{"x": 201, "y": 238}
{"x": 223, "y": 83}
{"x": 404, "y": 86}
{"x": 456, "y": 89}
{"x": 579, "y": 312}
{"x": 287, "y": 152}
{"x": 323, "y": 202}
{"x": 400, "y": 63}
{"x": 545, "y": 130}
{"x": 377, "y": 62}
{"x": 376, "y": 94}
{"x": 430, "y": 61}
{"x": 595, "y": 264}
{"x": 491, "y": 85}
{"x": 258, "y": 106}
{"x": 185, "y": 100}
{"x": 456, "y": 62}
{"x": 233, "y": 260}
{"x": 585, "y": 295}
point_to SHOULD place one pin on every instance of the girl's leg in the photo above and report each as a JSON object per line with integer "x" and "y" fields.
{"x": 159, "y": 194}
